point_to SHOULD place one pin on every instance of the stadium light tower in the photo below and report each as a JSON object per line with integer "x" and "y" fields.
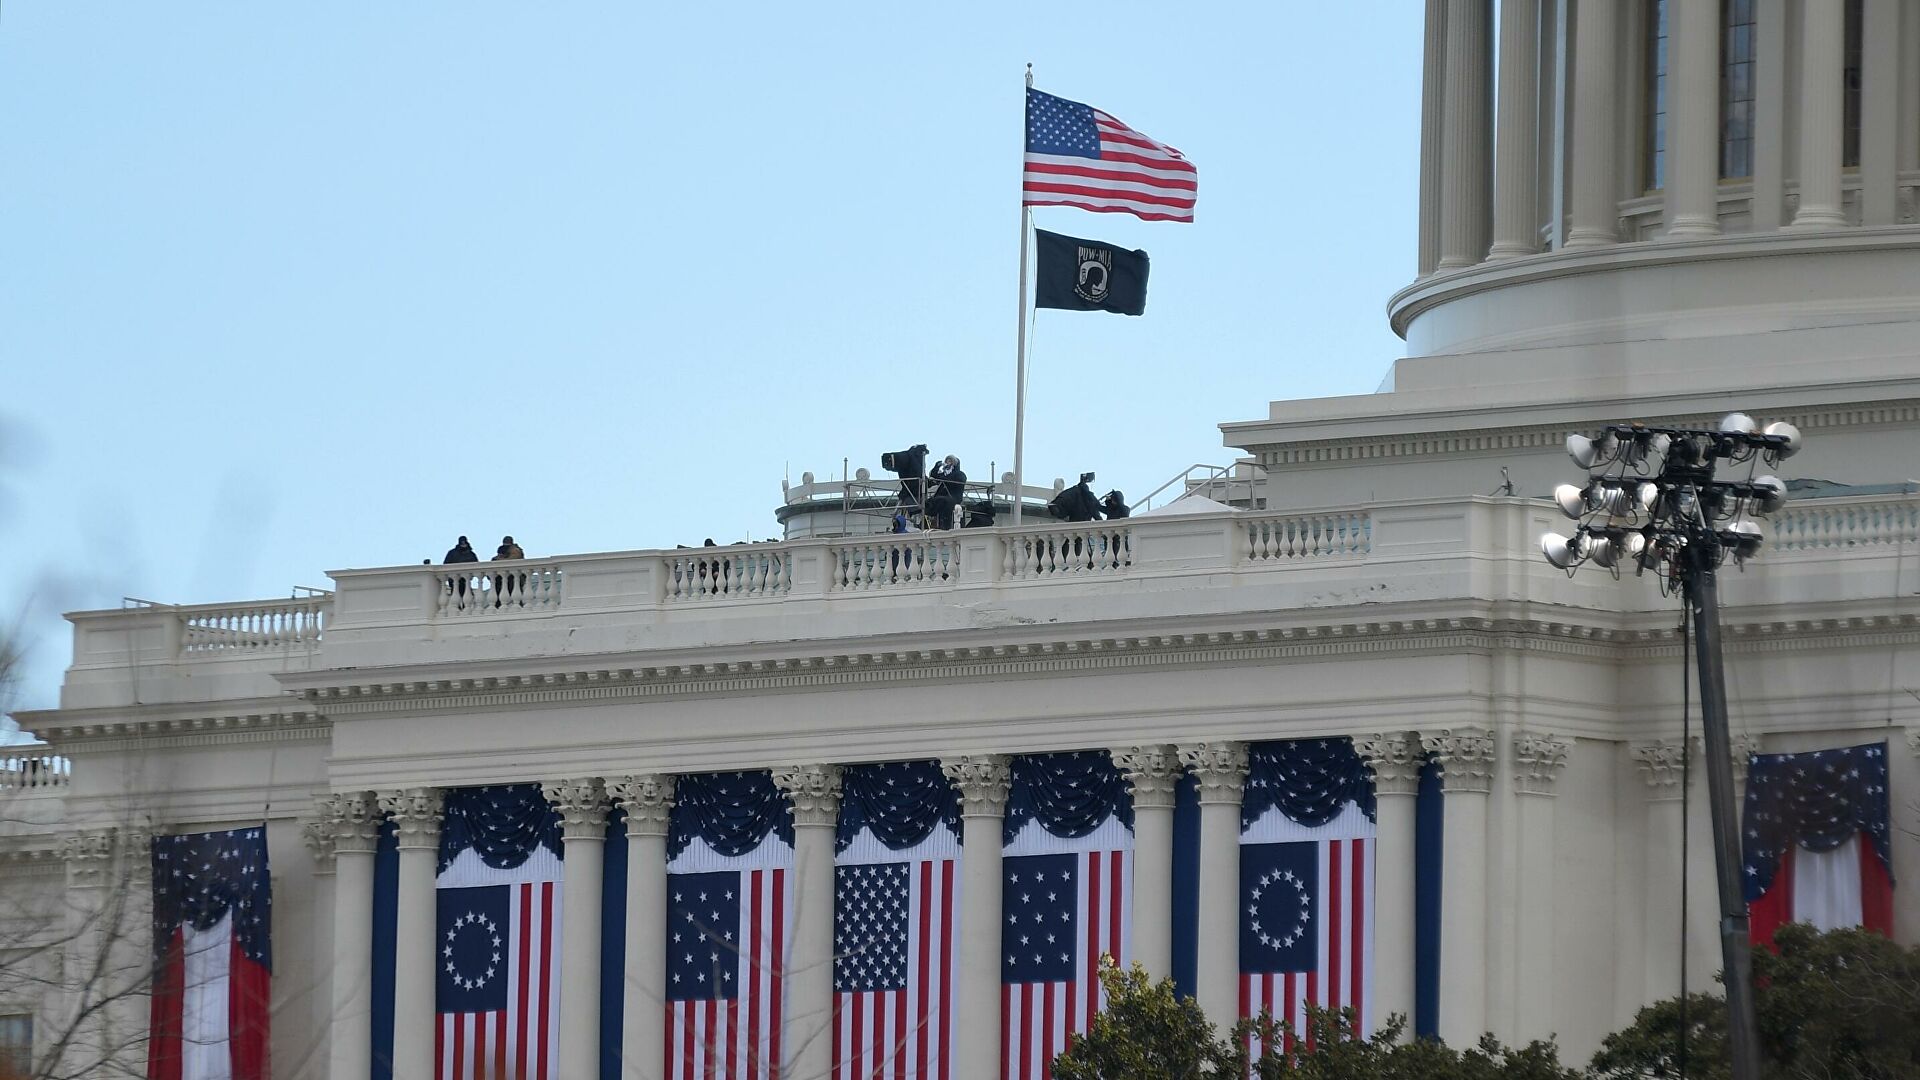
{"x": 1652, "y": 502}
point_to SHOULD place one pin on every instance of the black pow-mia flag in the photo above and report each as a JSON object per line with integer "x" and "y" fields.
{"x": 1087, "y": 275}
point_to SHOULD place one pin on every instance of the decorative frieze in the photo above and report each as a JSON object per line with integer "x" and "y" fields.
{"x": 647, "y": 799}
{"x": 89, "y": 858}
{"x": 1220, "y": 768}
{"x": 317, "y": 835}
{"x": 415, "y": 813}
{"x": 1538, "y": 760}
{"x": 1395, "y": 758}
{"x": 582, "y": 805}
{"x": 1152, "y": 772}
{"x": 352, "y": 818}
{"x": 1466, "y": 756}
{"x": 1663, "y": 764}
{"x": 814, "y": 791}
{"x": 982, "y": 780}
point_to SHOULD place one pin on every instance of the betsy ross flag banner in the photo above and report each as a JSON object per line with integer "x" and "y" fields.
{"x": 1066, "y": 901}
{"x": 1815, "y": 833}
{"x": 1080, "y": 156}
{"x": 212, "y": 956}
{"x": 895, "y": 918}
{"x": 729, "y": 917}
{"x": 497, "y": 942}
{"x": 1306, "y": 883}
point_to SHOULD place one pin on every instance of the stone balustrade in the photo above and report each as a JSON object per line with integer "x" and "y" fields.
{"x": 34, "y": 771}
{"x": 894, "y": 561}
{"x": 1308, "y": 536}
{"x": 745, "y": 571}
{"x": 254, "y": 626}
{"x": 1856, "y": 521}
{"x": 495, "y": 588}
{"x": 1097, "y": 548}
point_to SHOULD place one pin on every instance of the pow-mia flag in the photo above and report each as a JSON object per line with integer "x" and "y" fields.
{"x": 1087, "y": 275}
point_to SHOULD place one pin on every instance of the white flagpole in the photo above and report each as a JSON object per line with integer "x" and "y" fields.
{"x": 1020, "y": 368}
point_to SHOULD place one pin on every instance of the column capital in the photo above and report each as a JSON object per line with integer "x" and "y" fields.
{"x": 647, "y": 799}
{"x": 1219, "y": 767}
{"x": 582, "y": 805}
{"x": 814, "y": 791}
{"x": 1395, "y": 758}
{"x": 1745, "y": 744}
{"x": 1466, "y": 756}
{"x": 1538, "y": 760}
{"x": 982, "y": 780}
{"x": 353, "y": 819}
{"x": 1152, "y": 772}
{"x": 1913, "y": 740}
{"x": 89, "y": 857}
{"x": 1662, "y": 765}
{"x": 416, "y": 815}
{"x": 317, "y": 834}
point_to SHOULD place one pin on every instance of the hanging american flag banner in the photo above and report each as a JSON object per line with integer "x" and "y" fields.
{"x": 212, "y": 956}
{"x": 1066, "y": 900}
{"x": 896, "y": 913}
{"x": 1306, "y": 882}
{"x": 497, "y": 944}
{"x": 1080, "y": 156}
{"x": 1815, "y": 831}
{"x": 729, "y": 917}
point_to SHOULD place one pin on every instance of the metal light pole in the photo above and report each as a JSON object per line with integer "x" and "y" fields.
{"x": 1683, "y": 523}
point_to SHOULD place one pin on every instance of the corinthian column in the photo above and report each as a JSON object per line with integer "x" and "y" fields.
{"x": 1466, "y": 756}
{"x": 416, "y": 821}
{"x": 1596, "y": 213}
{"x": 1432, "y": 127}
{"x": 1466, "y": 181}
{"x": 1538, "y": 760}
{"x": 1221, "y": 770}
{"x": 1693, "y": 133}
{"x": 1516, "y": 217}
{"x": 353, "y": 819}
{"x": 582, "y": 805}
{"x": 814, "y": 791}
{"x": 647, "y": 800}
{"x": 982, "y": 780}
{"x": 1822, "y": 109}
{"x": 1152, "y": 772}
{"x": 1396, "y": 758}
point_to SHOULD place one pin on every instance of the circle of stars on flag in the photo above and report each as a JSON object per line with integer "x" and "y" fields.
{"x": 480, "y": 924}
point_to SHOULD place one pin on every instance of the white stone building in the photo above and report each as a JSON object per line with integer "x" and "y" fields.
{"x": 1659, "y": 210}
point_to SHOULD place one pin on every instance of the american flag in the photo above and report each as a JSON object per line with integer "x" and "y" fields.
{"x": 726, "y": 936}
{"x": 893, "y": 934}
{"x": 213, "y": 956}
{"x": 1080, "y": 156}
{"x": 1062, "y": 912}
{"x": 497, "y": 992}
{"x": 1817, "y": 834}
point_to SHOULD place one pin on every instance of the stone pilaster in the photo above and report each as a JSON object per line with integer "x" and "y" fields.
{"x": 582, "y": 805}
{"x": 814, "y": 791}
{"x": 647, "y": 799}
{"x": 1220, "y": 768}
{"x": 1153, "y": 775}
{"x": 982, "y": 780}
{"x": 1467, "y": 757}
{"x": 415, "y": 813}
{"x": 351, "y": 822}
{"x": 1537, "y": 762}
{"x": 1396, "y": 759}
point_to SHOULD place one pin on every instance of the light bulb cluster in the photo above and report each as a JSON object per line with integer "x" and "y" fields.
{"x": 1651, "y": 494}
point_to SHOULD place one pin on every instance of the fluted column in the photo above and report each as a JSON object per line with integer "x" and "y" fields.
{"x": 1662, "y": 765}
{"x": 1432, "y": 123}
{"x": 416, "y": 821}
{"x": 1153, "y": 775}
{"x": 1769, "y": 113}
{"x": 647, "y": 800}
{"x": 582, "y": 806}
{"x": 814, "y": 791}
{"x": 1822, "y": 108}
{"x": 1466, "y": 181}
{"x": 1466, "y": 756}
{"x": 1693, "y": 126}
{"x": 353, "y": 818}
{"x": 1516, "y": 188}
{"x": 982, "y": 781}
{"x": 1220, "y": 768}
{"x": 1395, "y": 758}
{"x": 1596, "y": 213}
{"x": 1538, "y": 760}
{"x": 317, "y": 834}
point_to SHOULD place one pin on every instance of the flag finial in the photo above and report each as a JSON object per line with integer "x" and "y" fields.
{"x": 1029, "y": 74}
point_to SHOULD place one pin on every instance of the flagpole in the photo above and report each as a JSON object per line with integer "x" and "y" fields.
{"x": 1020, "y": 367}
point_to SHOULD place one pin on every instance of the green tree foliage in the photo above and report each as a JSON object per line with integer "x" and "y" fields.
{"x": 1148, "y": 1032}
{"x": 1842, "y": 1004}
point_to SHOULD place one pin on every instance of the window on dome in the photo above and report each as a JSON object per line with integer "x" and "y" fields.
{"x": 1736, "y": 88}
{"x": 1653, "y": 151}
{"x": 1850, "y": 122}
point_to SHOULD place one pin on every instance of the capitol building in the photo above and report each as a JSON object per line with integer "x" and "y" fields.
{"x": 1647, "y": 210}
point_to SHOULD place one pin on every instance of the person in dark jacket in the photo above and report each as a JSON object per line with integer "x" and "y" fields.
{"x": 461, "y": 552}
{"x": 946, "y": 486}
{"x": 503, "y": 584}
{"x": 508, "y": 550}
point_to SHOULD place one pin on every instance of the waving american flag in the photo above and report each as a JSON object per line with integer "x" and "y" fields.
{"x": 1080, "y": 156}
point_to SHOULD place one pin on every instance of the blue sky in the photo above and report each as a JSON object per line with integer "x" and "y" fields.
{"x": 286, "y": 289}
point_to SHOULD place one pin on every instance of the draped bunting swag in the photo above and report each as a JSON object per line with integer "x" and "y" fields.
{"x": 1070, "y": 794}
{"x": 1816, "y": 800}
{"x": 503, "y": 824}
{"x": 731, "y": 811}
{"x": 1308, "y": 780}
{"x": 899, "y": 802}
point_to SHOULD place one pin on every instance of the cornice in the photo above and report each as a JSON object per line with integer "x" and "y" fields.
{"x": 611, "y": 684}
{"x": 101, "y": 730}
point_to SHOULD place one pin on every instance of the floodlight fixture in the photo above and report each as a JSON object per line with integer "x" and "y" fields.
{"x": 1559, "y": 551}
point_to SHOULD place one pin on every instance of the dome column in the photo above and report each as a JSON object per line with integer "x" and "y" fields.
{"x": 1822, "y": 108}
{"x": 1693, "y": 136}
{"x": 1466, "y": 180}
{"x": 1432, "y": 93}
{"x": 1596, "y": 210}
{"x": 1516, "y": 221}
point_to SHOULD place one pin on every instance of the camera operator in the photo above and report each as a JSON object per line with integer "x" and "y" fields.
{"x": 910, "y": 465}
{"x": 1077, "y": 503}
{"x": 946, "y": 488}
